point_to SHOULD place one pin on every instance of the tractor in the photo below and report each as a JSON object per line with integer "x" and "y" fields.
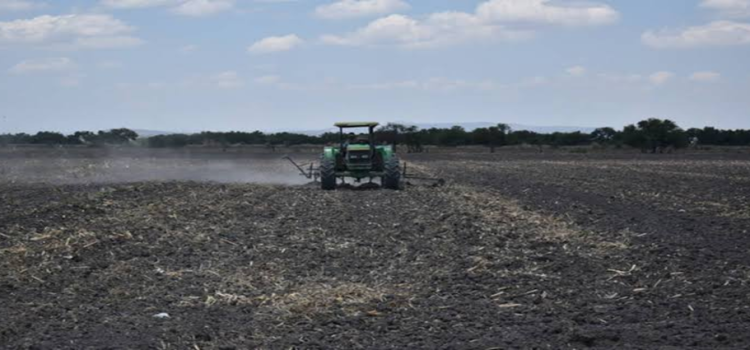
{"x": 359, "y": 158}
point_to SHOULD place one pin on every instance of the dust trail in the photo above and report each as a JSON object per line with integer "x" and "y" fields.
{"x": 106, "y": 165}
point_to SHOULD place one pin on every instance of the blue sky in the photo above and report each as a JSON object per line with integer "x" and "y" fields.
{"x": 189, "y": 65}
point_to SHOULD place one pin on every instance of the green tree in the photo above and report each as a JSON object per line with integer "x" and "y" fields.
{"x": 48, "y": 138}
{"x": 498, "y": 136}
{"x": 392, "y": 133}
{"x": 654, "y": 135}
{"x": 455, "y": 136}
{"x": 413, "y": 139}
{"x": 116, "y": 136}
{"x": 82, "y": 137}
{"x": 604, "y": 135}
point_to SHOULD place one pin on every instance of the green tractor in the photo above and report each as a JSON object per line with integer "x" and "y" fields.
{"x": 360, "y": 158}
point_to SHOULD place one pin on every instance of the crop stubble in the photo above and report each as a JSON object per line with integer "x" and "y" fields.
{"x": 514, "y": 253}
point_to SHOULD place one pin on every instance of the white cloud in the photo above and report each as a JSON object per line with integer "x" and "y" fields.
{"x": 532, "y": 82}
{"x": 491, "y": 21}
{"x": 436, "y": 30}
{"x": 19, "y": 5}
{"x": 660, "y": 78}
{"x": 718, "y": 33}
{"x": 705, "y": 77}
{"x": 268, "y": 79}
{"x": 657, "y": 78}
{"x": 729, "y": 8}
{"x": 431, "y": 84}
{"x": 359, "y": 8}
{"x": 106, "y": 42}
{"x": 428, "y": 85}
{"x": 134, "y": 4}
{"x": 576, "y": 71}
{"x": 199, "y": 8}
{"x": 391, "y": 85}
{"x": 45, "y": 27}
{"x": 275, "y": 44}
{"x": 69, "y": 31}
{"x": 545, "y": 11}
{"x": 193, "y": 8}
{"x": 439, "y": 84}
{"x": 279, "y": 83}
{"x": 54, "y": 64}
{"x": 228, "y": 80}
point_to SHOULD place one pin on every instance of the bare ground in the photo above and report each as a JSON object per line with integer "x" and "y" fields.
{"x": 518, "y": 251}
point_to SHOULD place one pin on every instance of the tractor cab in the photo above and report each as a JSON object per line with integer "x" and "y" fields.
{"x": 357, "y": 152}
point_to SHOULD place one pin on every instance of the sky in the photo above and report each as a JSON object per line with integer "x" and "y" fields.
{"x": 191, "y": 65}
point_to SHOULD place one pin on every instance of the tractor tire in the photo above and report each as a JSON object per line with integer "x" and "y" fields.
{"x": 392, "y": 178}
{"x": 327, "y": 174}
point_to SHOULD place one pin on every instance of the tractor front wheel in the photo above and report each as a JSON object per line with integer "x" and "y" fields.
{"x": 327, "y": 174}
{"x": 392, "y": 178}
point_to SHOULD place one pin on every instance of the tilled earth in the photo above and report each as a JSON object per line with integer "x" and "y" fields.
{"x": 517, "y": 251}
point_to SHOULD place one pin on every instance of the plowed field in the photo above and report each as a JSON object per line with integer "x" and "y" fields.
{"x": 219, "y": 251}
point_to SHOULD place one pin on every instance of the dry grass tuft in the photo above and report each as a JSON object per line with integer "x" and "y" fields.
{"x": 323, "y": 298}
{"x": 499, "y": 212}
{"x": 311, "y": 299}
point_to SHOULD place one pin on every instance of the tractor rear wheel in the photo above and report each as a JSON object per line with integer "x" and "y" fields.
{"x": 392, "y": 178}
{"x": 327, "y": 174}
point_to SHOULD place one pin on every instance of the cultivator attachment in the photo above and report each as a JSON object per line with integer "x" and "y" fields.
{"x": 312, "y": 171}
{"x": 413, "y": 180}
{"x": 309, "y": 171}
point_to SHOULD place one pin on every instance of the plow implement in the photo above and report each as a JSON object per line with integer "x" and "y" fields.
{"x": 312, "y": 172}
{"x": 309, "y": 171}
{"x": 414, "y": 180}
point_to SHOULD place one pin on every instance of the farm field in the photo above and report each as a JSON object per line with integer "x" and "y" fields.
{"x": 206, "y": 249}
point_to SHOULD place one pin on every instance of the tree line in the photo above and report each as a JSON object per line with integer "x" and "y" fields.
{"x": 110, "y": 137}
{"x": 651, "y": 135}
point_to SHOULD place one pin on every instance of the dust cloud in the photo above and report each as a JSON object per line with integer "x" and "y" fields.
{"x": 105, "y": 165}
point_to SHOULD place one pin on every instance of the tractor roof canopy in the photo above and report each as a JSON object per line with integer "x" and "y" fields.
{"x": 345, "y": 125}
